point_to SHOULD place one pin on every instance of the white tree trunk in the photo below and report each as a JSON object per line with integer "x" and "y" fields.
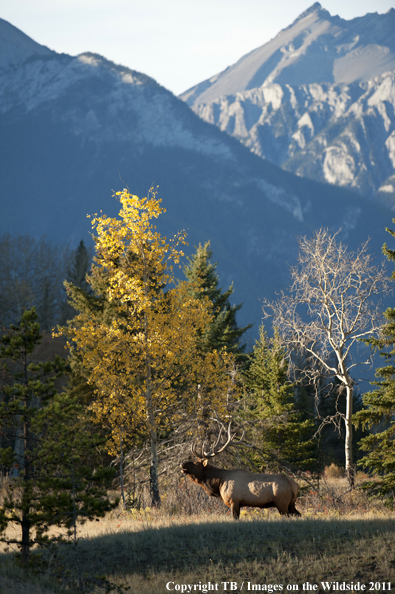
{"x": 348, "y": 441}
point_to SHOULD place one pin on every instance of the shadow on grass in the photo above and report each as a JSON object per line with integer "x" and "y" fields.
{"x": 182, "y": 546}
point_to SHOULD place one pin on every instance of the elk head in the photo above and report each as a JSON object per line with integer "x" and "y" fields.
{"x": 197, "y": 468}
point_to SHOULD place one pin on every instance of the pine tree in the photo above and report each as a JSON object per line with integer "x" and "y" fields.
{"x": 79, "y": 268}
{"x": 278, "y": 427}
{"x": 50, "y": 481}
{"x": 379, "y": 408}
{"x": 78, "y": 292}
{"x": 76, "y": 276}
{"x": 223, "y": 330}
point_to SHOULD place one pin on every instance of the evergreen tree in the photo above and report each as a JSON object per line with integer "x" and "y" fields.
{"x": 76, "y": 276}
{"x": 277, "y": 427}
{"x": 78, "y": 292}
{"x": 79, "y": 268}
{"x": 379, "y": 411}
{"x": 223, "y": 330}
{"x": 45, "y": 445}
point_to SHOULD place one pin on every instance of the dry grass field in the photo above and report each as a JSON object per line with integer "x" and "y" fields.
{"x": 192, "y": 543}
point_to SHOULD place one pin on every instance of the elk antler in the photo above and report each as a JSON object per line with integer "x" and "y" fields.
{"x": 215, "y": 450}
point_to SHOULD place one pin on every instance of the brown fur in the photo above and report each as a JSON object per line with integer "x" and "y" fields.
{"x": 241, "y": 488}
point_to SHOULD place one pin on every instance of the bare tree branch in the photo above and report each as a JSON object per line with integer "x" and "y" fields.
{"x": 332, "y": 303}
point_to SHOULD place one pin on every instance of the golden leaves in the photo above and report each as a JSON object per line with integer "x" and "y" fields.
{"x": 143, "y": 358}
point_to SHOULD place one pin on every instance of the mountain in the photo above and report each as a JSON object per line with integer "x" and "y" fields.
{"x": 75, "y": 129}
{"x": 317, "y": 100}
{"x": 315, "y": 48}
{"x": 16, "y": 47}
{"x": 339, "y": 134}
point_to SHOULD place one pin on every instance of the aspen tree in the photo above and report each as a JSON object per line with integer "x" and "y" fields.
{"x": 331, "y": 305}
{"x": 138, "y": 341}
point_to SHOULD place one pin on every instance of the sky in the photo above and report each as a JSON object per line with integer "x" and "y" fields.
{"x": 179, "y": 43}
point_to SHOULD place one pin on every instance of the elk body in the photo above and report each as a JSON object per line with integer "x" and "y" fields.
{"x": 241, "y": 488}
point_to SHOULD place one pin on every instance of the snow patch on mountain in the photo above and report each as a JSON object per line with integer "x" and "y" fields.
{"x": 390, "y": 145}
{"x": 281, "y": 198}
{"x": 338, "y": 166}
{"x": 350, "y": 221}
{"x": 39, "y": 84}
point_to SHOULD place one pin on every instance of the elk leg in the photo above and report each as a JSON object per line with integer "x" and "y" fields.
{"x": 292, "y": 510}
{"x": 235, "y": 509}
{"x": 283, "y": 510}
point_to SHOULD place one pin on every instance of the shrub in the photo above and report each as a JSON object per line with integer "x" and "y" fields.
{"x": 333, "y": 471}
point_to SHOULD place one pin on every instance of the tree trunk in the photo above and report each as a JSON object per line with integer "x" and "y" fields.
{"x": 154, "y": 482}
{"x": 20, "y": 444}
{"x": 350, "y": 472}
{"x": 26, "y": 523}
{"x": 19, "y": 448}
{"x": 25, "y": 543}
{"x": 121, "y": 473}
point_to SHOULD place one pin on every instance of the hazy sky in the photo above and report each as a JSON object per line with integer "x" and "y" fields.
{"x": 177, "y": 42}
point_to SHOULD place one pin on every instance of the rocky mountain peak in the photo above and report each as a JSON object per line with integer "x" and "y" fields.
{"x": 317, "y": 100}
{"x": 315, "y": 9}
{"x": 315, "y": 48}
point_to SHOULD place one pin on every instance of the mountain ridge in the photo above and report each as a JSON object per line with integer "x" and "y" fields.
{"x": 298, "y": 54}
{"x": 16, "y": 46}
{"x": 75, "y": 129}
{"x": 335, "y": 131}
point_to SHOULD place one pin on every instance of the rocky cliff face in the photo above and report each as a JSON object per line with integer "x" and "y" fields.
{"x": 317, "y": 100}
{"x": 340, "y": 134}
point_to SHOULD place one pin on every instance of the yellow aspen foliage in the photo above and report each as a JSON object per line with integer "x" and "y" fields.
{"x": 142, "y": 354}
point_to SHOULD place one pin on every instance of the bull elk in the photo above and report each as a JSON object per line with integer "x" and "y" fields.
{"x": 241, "y": 488}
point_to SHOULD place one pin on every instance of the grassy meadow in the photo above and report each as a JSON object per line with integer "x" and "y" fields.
{"x": 341, "y": 537}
